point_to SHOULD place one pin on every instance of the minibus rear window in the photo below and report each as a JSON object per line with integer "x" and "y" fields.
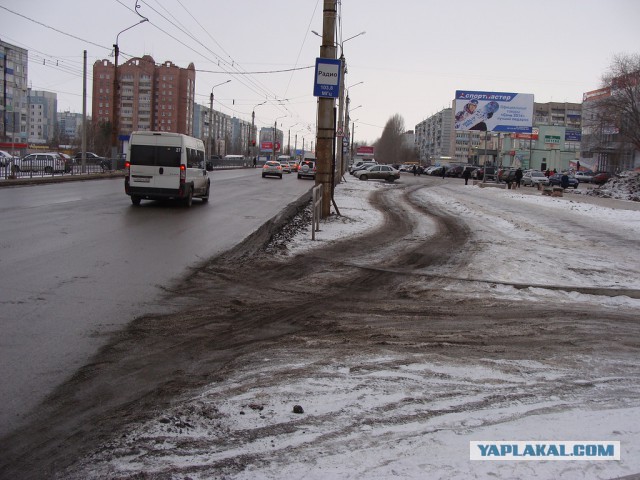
{"x": 155, "y": 156}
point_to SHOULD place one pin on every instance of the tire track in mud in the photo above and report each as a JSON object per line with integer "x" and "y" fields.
{"x": 247, "y": 300}
{"x": 156, "y": 359}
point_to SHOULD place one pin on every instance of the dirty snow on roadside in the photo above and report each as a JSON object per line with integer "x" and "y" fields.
{"x": 378, "y": 415}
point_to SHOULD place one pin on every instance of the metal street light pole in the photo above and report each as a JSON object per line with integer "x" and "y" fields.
{"x": 116, "y": 93}
{"x": 275, "y": 135}
{"x": 211, "y": 119}
{"x": 341, "y": 109}
{"x": 253, "y": 132}
{"x": 346, "y": 126}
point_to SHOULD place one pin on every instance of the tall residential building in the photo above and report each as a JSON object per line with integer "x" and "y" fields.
{"x": 433, "y": 137}
{"x": 69, "y": 125}
{"x": 43, "y": 107}
{"x": 217, "y": 139}
{"x": 266, "y": 141}
{"x": 151, "y": 97}
{"x": 13, "y": 94}
{"x": 240, "y": 134}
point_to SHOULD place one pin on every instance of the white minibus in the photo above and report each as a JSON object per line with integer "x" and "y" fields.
{"x": 164, "y": 165}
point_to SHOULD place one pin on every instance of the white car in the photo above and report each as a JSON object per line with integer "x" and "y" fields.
{"x": 272, "y": 168}
{"x": 6, "y": 158}
{"x": 584, "y": 177}
{"x": 533, "y": 178}
{"x": 50, "y": 162}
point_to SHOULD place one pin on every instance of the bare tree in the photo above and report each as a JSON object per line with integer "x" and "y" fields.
{"x": 621, "y": 109}
{"x": 389, "y": 146}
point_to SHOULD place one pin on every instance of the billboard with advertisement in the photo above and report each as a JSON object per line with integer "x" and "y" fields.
{"x": 493, "y": 111}
{"x": 266, "y": 140}
{"x": 527, "y": 136}
{"x": 364, "y": 151}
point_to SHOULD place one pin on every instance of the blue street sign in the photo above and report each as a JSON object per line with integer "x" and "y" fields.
{"x": 327, "y": 79}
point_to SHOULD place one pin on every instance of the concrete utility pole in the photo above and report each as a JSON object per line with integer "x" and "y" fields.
{"x": 326, "y": 127}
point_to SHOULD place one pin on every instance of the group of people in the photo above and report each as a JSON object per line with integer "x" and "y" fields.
{"x": 417, "y": 170}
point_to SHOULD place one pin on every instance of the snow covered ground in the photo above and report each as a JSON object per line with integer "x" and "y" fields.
{"x": 378, "y": 416}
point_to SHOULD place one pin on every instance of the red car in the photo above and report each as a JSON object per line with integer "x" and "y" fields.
{"x": 600, "y": 178}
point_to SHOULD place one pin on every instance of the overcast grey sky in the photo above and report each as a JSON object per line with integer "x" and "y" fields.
{"x": 413, "y": 57}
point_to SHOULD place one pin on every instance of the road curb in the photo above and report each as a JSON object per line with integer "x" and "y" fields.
{"x": 13, "y": 182}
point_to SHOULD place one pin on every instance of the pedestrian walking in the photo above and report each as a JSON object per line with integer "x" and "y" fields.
{"x": 414, "y": 170}
{"x": 444, "y": 170}
{"x": 466, "y": 174}
{"x": 518, "y": 177}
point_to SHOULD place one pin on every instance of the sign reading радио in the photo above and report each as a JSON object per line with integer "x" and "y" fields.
{"x": 544, "y": 450}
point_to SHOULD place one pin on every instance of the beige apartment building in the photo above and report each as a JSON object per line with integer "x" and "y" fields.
{"x": 151, "y": 97}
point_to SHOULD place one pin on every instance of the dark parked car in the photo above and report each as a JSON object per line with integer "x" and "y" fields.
{"x": 105, "y": 164}
{"x": 556, "y": 180}
{"x": 600, "y": 178}
{"x": 437, "y": 172}
{"x": 507, "y": 175}
{"x": 91, "y": 158}
{"x": 455, "y": 171}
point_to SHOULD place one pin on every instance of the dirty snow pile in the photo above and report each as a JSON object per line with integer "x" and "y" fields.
{"x": 625, "y": 186}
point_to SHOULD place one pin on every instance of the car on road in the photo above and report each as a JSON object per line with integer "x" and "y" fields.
{"x": 533, "y": 178}
{"x": 272, "y": 168}
{"x": 556, "y": 180}
{"x": 286, "y": 167}
{"x": 166, "y": 166}
{"x": 601, "y": 178}
{"x": 90, "y": 158}
{"x": 307, "y": 169}
{"x": 378, "y": 172}
{"x": 50, "y": 162}
{"x": 585, "y": 177}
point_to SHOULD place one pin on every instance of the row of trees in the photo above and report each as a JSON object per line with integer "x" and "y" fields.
{"x": 612, "y": 121}
{"x": 392, "y": 147}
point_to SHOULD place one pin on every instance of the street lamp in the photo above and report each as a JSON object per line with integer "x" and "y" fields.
{"x": 116, "y": 92}
{"x": 346, "y": 40}
{"x": 253, "y": 133}
{"x": 275, "y": 132}
{"x": 211, "y": 117}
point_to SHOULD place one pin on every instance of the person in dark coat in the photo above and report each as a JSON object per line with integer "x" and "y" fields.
{"x": 518, "y": 177}
{"x": 414, "y": 170}
{"x": 564, "y": 181}
{"x": 444, "y": 171}
{"x": 466, "y": 174}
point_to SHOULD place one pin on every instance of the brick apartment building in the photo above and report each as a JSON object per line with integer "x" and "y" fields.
{"x": 152, "y": 97}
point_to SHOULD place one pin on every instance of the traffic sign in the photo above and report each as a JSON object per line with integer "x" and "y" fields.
{"x": 339, "y": 133}
{"x": 327, "y": 79}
